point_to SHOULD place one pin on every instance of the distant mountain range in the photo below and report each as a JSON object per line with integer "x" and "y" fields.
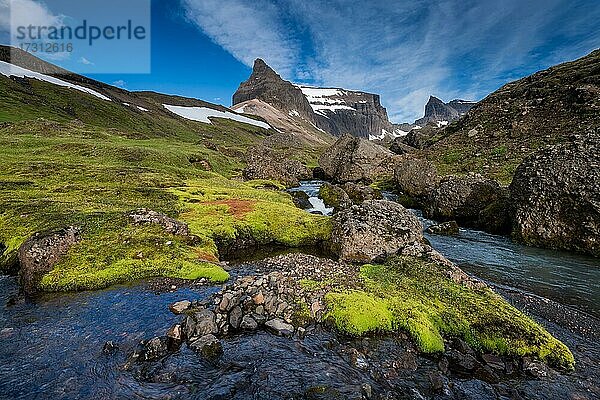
{"x": 438, "y": 111}
{"x": 336, "y": 111}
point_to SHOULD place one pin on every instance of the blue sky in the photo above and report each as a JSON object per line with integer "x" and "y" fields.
{"x": 403, "y": 50}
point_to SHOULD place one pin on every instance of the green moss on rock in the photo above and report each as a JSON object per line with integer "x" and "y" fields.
{"x": 416, "y": 296}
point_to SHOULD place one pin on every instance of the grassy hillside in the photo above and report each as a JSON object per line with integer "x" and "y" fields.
{"x": 58, "y": 174}
{"x": 522, "y": 116}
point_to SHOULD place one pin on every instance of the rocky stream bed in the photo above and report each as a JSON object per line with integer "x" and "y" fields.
{"x": 81, "y": 345}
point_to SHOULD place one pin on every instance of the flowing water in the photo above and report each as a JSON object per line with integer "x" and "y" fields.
{"x": 52, "y": 347}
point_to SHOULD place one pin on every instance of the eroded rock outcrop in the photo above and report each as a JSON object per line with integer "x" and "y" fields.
{"x": 373, "y": 231}
{"x": 41, "y": 252}
{"x": 351, "y": 159}
{"x": 265, "y": 163}
{"x": 472, "y": 201}
{"x": 266, "y": 85}
{"x": 415, "y": 178}
{"x": 555, "y": 197}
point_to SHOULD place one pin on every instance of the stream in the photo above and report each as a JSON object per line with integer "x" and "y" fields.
{"x": 52, "y": 346}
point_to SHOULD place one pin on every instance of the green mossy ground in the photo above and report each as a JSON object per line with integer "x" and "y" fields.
{"x": 57, "y": 174}
{"x": 415, "y": 296}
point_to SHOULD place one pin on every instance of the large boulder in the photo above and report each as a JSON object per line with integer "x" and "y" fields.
{"x": 334, "y": 196}
{"x": 555, "y": 197}
{"x": 351, "y": 159}
{"x": 373, "y": 231}
{"x": 266, "y": 163}
{"x": 415, "y": 178}
{"x": 472, "y": 201}
{"x": 41, "y": 252}
{"x": 359, "y": 193}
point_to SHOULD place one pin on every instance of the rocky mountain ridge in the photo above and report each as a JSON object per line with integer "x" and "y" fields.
{"x": 437, "y": 111}
{"x": 336, "y": 111}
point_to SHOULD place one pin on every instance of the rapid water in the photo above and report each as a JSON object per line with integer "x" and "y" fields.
{"x": 52, "y": 347}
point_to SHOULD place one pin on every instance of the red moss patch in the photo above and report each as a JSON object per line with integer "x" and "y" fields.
{"x": 237, "y": 208}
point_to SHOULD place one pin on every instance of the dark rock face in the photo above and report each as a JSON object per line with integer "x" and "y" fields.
{"x": 335, "y": 111}
{"x": 351, "y": 159}
{"x": 399, "y": 147}
{"x": 472, "y": 201}
{"x": 170, "y": 225}
{"x": 555, "y": 197}
{"x": 340, "y": 111}
{"x": 266, "y": 85}
{"x": 265, "y": 163}
{"x": 415, "y": 177}
{"x": 421, "y": 138}
{"x": 207, "y": 346}
{"x": 373, "y": 231}
{"x": 301, "y": 200}
{"x": 436, "y": 110}
{"x": 41, "y": 252}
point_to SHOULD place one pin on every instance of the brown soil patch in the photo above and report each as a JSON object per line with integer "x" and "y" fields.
{"x": 237, "y": 208}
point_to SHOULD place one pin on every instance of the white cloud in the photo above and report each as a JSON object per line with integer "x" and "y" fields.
{"x": 120, "y": 83}
{"x": 403, "y": 50}
{"x": 247, "y": 29}
{"x": 25, "y": 13}
{"x": 85, "y": 61}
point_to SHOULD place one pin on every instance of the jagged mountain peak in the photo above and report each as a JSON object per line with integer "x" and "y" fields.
{"x": 438, "y": 111}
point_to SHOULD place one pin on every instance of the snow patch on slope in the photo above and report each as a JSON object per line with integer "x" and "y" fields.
{"x": 8, "y": 69}
{"x": 203, "y": 114}
{"x": 323, "y": 100}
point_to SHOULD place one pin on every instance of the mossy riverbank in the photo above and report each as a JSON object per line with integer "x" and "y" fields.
{"x": 416, "y": 296}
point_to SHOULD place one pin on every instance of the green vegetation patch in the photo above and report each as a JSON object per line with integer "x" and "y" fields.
{"x": 55, "y": 174}
{"x": 219, "y": 209}
{"x": 125, "y": 254}
{"x": 414, "y": 295}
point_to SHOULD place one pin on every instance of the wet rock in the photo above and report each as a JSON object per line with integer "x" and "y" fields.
{"x": 301, "y": 199}
{"x": 366, "y": 390}
{"x": 487, "y": 374}
{"x": 373, "y": 230}
{"x": 235, "y": 317}
{"x": 463, "y": 361}
{"x": 155, "y": 349}
{"x": 110, "y": 347}
{"x": 535, "y": 368}
{"x": 554, "y": 197}
{"x": 207, "y": 346}
{"x": 175, "y": 333}
{"x": 493, "y": 361}
{"x": 334, "y": 196}
{"x": 248, "y": 323}
{"x": 41, "y": 252}
{"x": 472, "y": 201}
{"x": 180, "y": 306}
{"x": 445, "y": 228}
{"x": 199, "y": 324}
{"x": 351, "y": 159}
{"x": 437, "y": 381}
{"x": 279, "y": 327}
{"x": 170, "y": 225}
